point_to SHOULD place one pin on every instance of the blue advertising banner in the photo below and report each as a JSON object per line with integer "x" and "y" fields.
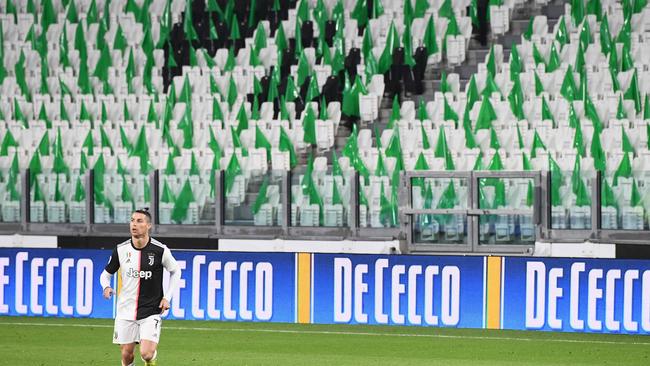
{"x": 214, "y": 285}
{"x": 53, "y": 282}
{"x": 573, "y": 295}
{"x": 577, "y": 295}
{"x": 443, "y": 291}
{"x": 235, "y": 286}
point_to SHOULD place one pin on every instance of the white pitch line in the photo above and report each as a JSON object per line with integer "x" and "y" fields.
{"x": 325, "y": 332}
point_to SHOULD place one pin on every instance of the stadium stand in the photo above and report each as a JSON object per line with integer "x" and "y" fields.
{"x": 369, "y": 117}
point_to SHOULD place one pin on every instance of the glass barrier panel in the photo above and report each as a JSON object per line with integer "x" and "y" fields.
{"x": 439, "y": 193}
{"x": 11, "y": 193}
{"x": 58, "y": 198}
{"x": 440, "y": 229}
{"x": 506, "y": 193}
{"x": 118, "y": 194}
{"x": 254, "y": 199}
{"x": 570, "y": 194}
{"x": 320, "y": 197}
{"x": 378, "y": 202}
{"x": 624, "y": 201}
{"x": 186, "y": 198}
{"x": 506, "y": 229}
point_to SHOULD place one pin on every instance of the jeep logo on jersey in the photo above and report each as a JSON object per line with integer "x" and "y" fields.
{"x": 139, "y": 274}
{"x": 151, "y": 257}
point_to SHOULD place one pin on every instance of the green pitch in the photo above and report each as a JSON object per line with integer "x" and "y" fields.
{"x": 54, "y": 341}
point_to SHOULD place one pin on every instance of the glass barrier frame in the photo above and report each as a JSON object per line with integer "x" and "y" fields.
{"x": 403, "y": 233}
{"x": 476, "y": 212}
{"x": 473, "y": 211}
{"x": 409, "y": 213}
{"x": 548, "y": 233}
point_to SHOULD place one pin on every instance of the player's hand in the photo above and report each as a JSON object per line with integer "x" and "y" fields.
{"x": 108, "y": 292}
{"x": 164, "y": 305}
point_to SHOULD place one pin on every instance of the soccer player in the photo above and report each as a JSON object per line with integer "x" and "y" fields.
{"x": 142, "y": 299}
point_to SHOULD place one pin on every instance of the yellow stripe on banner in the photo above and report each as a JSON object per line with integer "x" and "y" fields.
{"x": 304, "y": 288}
{"x": 494, "y": 292}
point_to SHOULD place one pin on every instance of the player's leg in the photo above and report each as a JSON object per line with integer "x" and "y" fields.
{"x": 126, "y": 335}
{"x": 127, "y": 354}
{"x": 149, "y": 337}
{"x": 148, "y": 352}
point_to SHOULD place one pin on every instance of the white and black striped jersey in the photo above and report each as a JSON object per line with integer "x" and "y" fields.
{"x": 141, "y": 273}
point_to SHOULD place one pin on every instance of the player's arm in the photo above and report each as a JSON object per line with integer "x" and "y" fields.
{"x": 110, "y": 269}
{"x": 174, "y": 270}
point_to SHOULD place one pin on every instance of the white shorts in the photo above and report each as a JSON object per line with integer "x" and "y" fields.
{"x": 132, "y": 331}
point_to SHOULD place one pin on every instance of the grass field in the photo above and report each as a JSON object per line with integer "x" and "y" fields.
{"x": 54, "y": 341}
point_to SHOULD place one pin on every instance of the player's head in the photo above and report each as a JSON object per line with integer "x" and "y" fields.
{"x": 140, "y": 222}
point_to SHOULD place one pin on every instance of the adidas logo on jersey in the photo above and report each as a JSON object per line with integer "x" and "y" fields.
{"x": 139, "y": 274}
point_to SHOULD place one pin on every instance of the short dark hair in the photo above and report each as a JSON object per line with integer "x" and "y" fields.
{"x": 144, "y": 211}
